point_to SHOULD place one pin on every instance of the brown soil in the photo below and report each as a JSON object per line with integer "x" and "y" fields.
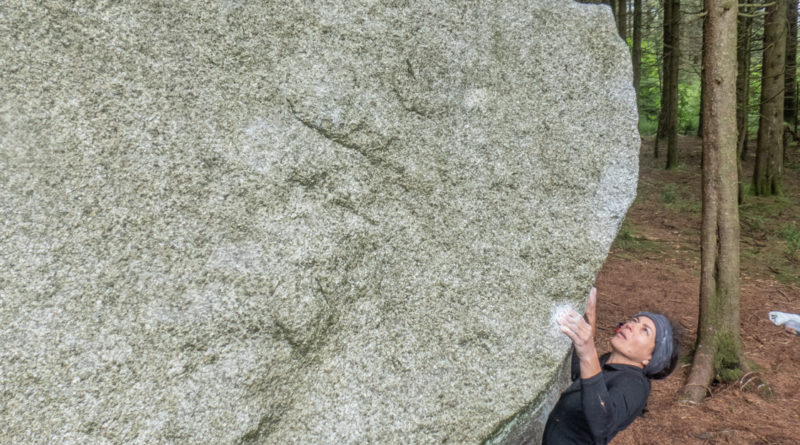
{"x": 655, "y": 265}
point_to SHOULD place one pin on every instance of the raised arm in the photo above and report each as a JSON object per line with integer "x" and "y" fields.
{"x": 581, "y": 331}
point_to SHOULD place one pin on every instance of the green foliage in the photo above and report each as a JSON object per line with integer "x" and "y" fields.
{"x": 688, "y": 106}
{"x": 649, "y": 89}
{"x": 625, "y": 233}
{"x": 752, "y": 221}
{"x": 647, "y": 127}
{"x": 791, "y": 158}
{"x": 650, "y": 94}
{"x": 670, "y": 193}
{"x": 791, "y": 234}
{"x": 754, "y": 100}
{"x": 628, "y": 241}
{"x": 625, "y": 239}
{"x": 678, "y": 198}
{"x": 730, "y": 375}
{"x": 757, "y": 214}
{"x": 773, "y": 242}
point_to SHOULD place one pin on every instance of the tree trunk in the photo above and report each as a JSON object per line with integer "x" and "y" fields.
{"x": 668, "y": 117}
{"x": 769, "y": 152}
{"x": 700, "y": 120}
{"x": 790, "y": 76}
{"x": 630, "y": 18}
{"x": 719, "y": 347}
{"x": 672, "y": 87}
{"x": 665, "y": 72}
{"x": 622, "y": 18}
{"x": 744, "y": 25}
{"x": 637, "y": 46}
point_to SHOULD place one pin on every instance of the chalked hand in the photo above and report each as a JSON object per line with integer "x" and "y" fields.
{"x": 577, "y": 329}
{"x": 570, "y": 321}
{"x": 581, "y": 331}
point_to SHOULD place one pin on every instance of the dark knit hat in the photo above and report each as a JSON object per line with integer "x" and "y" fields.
{"x": 662, "y": 351}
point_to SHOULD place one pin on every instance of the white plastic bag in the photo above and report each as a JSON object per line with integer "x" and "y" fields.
{"x": 790, "y": 322}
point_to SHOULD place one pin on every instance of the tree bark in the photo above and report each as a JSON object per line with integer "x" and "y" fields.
{"x": 744, "y": 26}
{"x": 622, "y": 18}
{"x": 769, "y": 153}
{"x": 661, "y": 131}
{"x": 790, "y": 73}
{"x": 700, "y": 120}
{"x": 668, "y": 117}
{"x": 718, "y": 324}
{"x": 637, "y": 46}
{"x": 672, "y": 87}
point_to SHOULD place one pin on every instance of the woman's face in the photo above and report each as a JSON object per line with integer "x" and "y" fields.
{"x": 636, "y": 339}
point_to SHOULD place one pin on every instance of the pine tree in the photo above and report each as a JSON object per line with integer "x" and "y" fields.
{"x": 769, "y": 154}
{"x": 719, "y": 346}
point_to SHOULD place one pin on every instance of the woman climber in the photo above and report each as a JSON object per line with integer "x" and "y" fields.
{"x": 608, "y": 393}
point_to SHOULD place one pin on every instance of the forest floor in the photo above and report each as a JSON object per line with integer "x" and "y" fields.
{"x": 655, "y": 265}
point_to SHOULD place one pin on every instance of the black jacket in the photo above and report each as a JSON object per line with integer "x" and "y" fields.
{"x": 594, "y": 410}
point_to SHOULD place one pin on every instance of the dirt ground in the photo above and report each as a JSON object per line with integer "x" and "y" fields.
{"x": 655, "y": 265}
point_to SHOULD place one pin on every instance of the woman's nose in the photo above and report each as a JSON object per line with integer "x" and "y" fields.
{"x": 629, "y": 326}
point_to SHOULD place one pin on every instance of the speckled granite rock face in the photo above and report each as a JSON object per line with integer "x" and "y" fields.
{"x": 300, "y": 222}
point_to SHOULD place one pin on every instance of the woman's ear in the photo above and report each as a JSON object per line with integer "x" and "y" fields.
{"x": 645, "y": 362}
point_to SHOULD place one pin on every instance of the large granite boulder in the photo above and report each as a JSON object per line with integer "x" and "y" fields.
{"x": 301, "y": 222}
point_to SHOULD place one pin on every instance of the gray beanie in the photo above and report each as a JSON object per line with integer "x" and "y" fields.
{"x": 662, "y": 351}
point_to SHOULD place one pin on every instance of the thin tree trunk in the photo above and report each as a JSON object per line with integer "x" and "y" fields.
{"x": 700, "y": 120}
{"x": 718, "y": 324}
{"x": 630, "y": 17}
{"x": 744, "y": 25}
{"x": 637, "y": 46}
{"x": 769, "y": 155}
{"x": 622, "y": 18}
{"x": 672, "y": 87}
{"x": 666, "y": 74}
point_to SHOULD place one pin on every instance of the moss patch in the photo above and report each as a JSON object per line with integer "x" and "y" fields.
{"x": 726, "y": 360}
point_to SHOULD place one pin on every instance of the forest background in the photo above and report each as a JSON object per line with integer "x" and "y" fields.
{"x": 712, "y": 238}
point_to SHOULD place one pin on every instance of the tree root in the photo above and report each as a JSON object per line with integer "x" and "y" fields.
{"x": 700, "y": 377}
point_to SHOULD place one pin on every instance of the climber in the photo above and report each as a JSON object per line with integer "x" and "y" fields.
{"x": 608, "y": 393}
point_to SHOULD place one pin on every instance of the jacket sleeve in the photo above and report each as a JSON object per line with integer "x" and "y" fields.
{"x": 609, "y": 410}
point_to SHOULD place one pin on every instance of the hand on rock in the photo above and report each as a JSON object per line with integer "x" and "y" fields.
{"x": 581, "y": 329}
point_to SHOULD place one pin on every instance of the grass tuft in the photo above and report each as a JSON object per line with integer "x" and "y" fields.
{"x": 628, "y": 240}
{"x": 791, "y": 234}
{"x": 670, "y": 193}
